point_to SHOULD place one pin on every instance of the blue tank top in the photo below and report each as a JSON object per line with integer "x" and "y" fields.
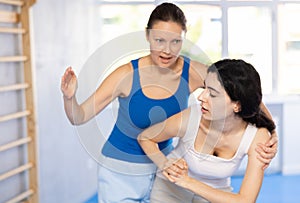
{"x": 137, "y": 112}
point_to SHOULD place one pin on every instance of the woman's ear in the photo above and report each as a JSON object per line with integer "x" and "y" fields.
{"x": 237, "y": 107}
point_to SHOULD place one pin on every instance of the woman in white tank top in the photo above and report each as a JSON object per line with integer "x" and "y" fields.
{"x": 214, "y": 137}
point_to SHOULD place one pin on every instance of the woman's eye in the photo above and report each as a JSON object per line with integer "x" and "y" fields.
{"x": 159, "y": 40}
{"x": 212, "y": 95}
{"x": 176, "y": 41}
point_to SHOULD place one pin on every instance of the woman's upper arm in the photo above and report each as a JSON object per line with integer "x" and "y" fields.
{"x": 254, "y": 173}
{"x": 118, "y": 83}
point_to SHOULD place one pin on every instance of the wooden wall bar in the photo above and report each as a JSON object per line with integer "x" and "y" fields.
{"x": 19, "y": 24}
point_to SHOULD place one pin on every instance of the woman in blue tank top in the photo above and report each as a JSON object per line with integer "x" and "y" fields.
{"x": 149, "y": 89}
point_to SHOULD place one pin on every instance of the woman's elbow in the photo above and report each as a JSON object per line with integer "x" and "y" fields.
{"x": 245, "y": 199}
{"x": 76, "y": 121}
{"x": 141, "y": 139}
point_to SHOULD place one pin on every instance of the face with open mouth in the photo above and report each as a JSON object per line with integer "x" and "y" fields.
{"x": 165, "y": 40}
{"x": 215, "y": 102}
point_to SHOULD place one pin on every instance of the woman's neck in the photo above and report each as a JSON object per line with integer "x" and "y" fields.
{"x": 228, "y": 126}
{"x": 219, "y": 135}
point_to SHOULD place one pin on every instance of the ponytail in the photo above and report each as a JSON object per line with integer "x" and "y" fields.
{"x": 260, "y": 120}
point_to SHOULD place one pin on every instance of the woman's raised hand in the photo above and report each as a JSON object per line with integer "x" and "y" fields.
{"x": 69, "y": 83}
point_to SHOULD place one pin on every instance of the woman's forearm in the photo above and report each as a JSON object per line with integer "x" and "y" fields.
{"x": 152, "y": 151}
{"x": 213, "y": 195}
{"x": 73, "y": 111}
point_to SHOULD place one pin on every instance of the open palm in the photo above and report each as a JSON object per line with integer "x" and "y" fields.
{"x": 69, "y": 83}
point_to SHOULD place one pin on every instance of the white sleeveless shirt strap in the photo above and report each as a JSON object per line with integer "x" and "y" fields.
{"x": 247, "y": 139}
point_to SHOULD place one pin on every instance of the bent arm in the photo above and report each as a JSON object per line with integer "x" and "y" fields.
{"x": 116, "y": 84}
{"x": 174, "y": 126}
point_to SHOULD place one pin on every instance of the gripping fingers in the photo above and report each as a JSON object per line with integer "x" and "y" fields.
{"x": 266, "y": 152}
{"x": 266, "y": 162}
{"x": 181, "y": 163}
{"x": 169, "y": 176}
{"x": 173, "y": 171}
{"x": 273, "y": 142}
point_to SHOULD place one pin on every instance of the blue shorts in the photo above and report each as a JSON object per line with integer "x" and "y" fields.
{"x": 116, "y": 187}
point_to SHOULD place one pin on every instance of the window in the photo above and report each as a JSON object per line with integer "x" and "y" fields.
{"x": 249, "y": 38}
{"x": 204, "y": 26}
{"x": 264, "y": 33}
{"x": 117, "y": 20}
{"x": 289, "y": 48}
{"x": 204, "y": 31}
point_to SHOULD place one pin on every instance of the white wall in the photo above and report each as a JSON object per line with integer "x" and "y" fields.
{"x": 290, "y": 141}
{"x": 60, "y": 33}
{"x": 288, "y": 132}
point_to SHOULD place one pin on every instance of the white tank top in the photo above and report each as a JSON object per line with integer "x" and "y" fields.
{"x": 212, "y": 170}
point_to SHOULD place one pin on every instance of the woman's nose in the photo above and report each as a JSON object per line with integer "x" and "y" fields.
{"x": 167, "y": 48}
{"x": 203, "y": 95}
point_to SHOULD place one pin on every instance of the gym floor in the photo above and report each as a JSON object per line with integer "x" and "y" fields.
{"x": 276, "y": 188}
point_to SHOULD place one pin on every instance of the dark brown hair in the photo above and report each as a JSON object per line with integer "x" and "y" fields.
{"x": 167, "y": 12}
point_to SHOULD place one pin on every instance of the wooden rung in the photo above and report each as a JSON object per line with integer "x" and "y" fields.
{"x": 9, "y": 17}
{"x": 14, "y": 116}
{"x": 21, "y": 196}
{"x": 20, "y": 86}
{"x": 12, "y": 2}
{"x": 13, "y": 58}
{"x": 12, "y": 30}
{"x": 16, "y": 171}
{"x": 15, "y": 143}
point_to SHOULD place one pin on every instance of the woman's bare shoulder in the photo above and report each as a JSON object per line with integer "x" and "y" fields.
{"x": 262, "y": 136}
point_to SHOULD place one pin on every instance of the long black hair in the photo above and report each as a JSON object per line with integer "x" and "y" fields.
{"x": 242, "y": 83}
